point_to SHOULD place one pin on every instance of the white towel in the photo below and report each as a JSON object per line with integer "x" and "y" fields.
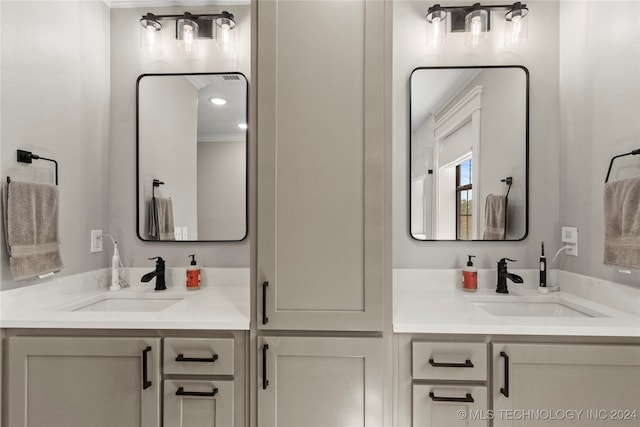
{"x": 622, "y": 223}
{"x": 30, "y": 214}
{"x": 495, "y": 217}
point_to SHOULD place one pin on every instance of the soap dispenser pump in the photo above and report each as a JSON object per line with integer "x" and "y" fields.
{"x": 470, "y": 276}
{"x": 193, "y": 274}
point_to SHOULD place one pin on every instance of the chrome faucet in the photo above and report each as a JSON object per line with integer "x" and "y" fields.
{"x": 158, "y": 273}
{"x": 503, "y": 275}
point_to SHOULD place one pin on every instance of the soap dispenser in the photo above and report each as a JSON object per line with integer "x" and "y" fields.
{"x": 470, "y": 276}
{"x": 193, "y": 274}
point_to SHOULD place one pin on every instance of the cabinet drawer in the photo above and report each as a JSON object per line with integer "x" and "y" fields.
{"x": 198, "y": 356}
{"x": 198, "y": 403}
{"x": 449, "y": 361}
{"x": 438, "y": 406}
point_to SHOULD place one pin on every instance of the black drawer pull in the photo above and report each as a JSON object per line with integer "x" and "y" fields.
{"x": 265, "y": 381}
{"x": 211, "y": 359}
{"x": 181, "y": 392}
{"x": 265, "y": 319}
{"x": 505, "y": 390}
{"x": 466, "y": 364}
{"x": 467, "y": 399}
{"x": 145, "y": 375}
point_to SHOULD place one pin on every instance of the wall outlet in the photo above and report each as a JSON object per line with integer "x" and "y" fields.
{"x": 570, "y": 239}
{"x": 96, "y": 240}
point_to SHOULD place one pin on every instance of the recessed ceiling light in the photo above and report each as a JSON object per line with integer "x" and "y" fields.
{"x": 218, "y": 101}
{"x": 242, "y": 125}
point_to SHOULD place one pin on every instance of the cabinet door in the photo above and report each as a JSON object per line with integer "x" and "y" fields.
{"x": 83, "y": 382}
{"x": 566, "y": 385}
{"x": 198, "y": 403}
{"x": 320, "y": 164}
{"x": 449, "y": 406}
{"x": 320, "y": 382}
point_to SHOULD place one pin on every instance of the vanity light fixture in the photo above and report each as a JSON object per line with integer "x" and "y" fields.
{"x": 475, "y": 21}
{"x": 218, "y": 101}
{"x": 189, "y": 28}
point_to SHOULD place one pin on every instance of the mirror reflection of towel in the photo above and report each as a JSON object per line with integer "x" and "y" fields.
{"x": 30, "y": 213}
{"x": 622, "y": 223}
{"x": 161, "y": 219}
{"x": 495, "y": 217}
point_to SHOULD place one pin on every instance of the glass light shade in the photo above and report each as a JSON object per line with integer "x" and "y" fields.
{"x": 516, "y": 25}
{"x": 476, "y": 26}
{"x": 186, "y": 33}
{"x": 226, "y": 35}
{"x": 436, "y": 28}
{"x": 150, "y": 39}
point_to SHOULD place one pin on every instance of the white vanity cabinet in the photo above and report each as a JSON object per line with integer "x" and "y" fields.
{"x": 320, "y": 382}
{"x": 320, "y": 141}
{"x": 566, "y": 384}
{"x": 83, "y": 381}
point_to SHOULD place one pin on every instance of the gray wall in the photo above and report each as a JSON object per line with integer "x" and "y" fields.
{"x": 55, "y": 103}
{"x": 127, "y": 63}
{"x": 540, "y": 56}
{"x": 600, "y": 115}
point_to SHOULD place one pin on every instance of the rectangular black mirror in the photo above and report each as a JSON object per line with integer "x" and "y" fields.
{"x": 469, "y": 153}
{"x": 192, "y": 157}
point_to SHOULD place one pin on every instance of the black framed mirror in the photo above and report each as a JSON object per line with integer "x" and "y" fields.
{"x": 469, "y": 153}
{"x": 192, "y": 162}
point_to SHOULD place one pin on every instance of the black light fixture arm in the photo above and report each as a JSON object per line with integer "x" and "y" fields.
{"x": 476, "y": 6}
{"x": 223, "y": 14}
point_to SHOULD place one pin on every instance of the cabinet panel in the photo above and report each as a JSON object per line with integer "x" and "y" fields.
{"x": 198, "y": 403}
{"x": 320, "y": 170}
{"x": 320, "y": 382}
{"x": 198, "y": 356}
{"x": 449, "y": 361}
{"x": 83, "y": 382}
{"x": 566, "y": 385}
{"x": 449, "y": 406}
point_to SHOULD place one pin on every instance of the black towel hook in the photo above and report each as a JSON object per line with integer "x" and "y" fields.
{"x": 156, "y": 183}
{"x": 24, "y": 156}
{"x": 509, "y": 181}
{"x": 630, "y": 153}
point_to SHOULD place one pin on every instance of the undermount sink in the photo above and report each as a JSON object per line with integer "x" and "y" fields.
{"x": 533, "y": 307}
{"x": 125, "y": 304}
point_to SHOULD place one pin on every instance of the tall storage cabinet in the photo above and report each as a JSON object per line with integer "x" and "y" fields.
{"x": 320, "y": 132}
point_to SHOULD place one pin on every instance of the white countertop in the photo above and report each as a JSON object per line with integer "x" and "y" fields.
{"x": 431, "y": 301}
{"x": 222, "y": 302}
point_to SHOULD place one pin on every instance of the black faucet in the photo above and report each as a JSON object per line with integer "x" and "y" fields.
{"x": 158, "y": 273}
{"x": 503, "y": 275}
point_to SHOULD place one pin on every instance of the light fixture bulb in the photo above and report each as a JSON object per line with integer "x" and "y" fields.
{"x": 150, "y": 33}
{"x": 436, "y": 26}
{"x": 242, "y": 126}
{"x": 516, "y": 24}
{"x": 476, "y": 25}
{"x": 225, "y": 33}
{"x": 218, "y": 101}
{"x": 187, "y": 32}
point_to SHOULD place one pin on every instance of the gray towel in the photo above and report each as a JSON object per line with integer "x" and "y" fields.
{"x": 30, "y": 214}
{"x": 495, "y": 217}
{"x": 161, "y": 219}
{"x": 622, "y": 223}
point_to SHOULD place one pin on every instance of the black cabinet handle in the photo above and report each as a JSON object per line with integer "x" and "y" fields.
{"x": 145, "y": 375}
{"x": 505, "y": 390}
{"x": 468, "y": 398}
{"x": 265, "y": 381}
{"x": 466, "y": 364}
{"x": 265, "y": 319}
{"x": 181, "y": 358}
{"x": 181, "y": 392}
